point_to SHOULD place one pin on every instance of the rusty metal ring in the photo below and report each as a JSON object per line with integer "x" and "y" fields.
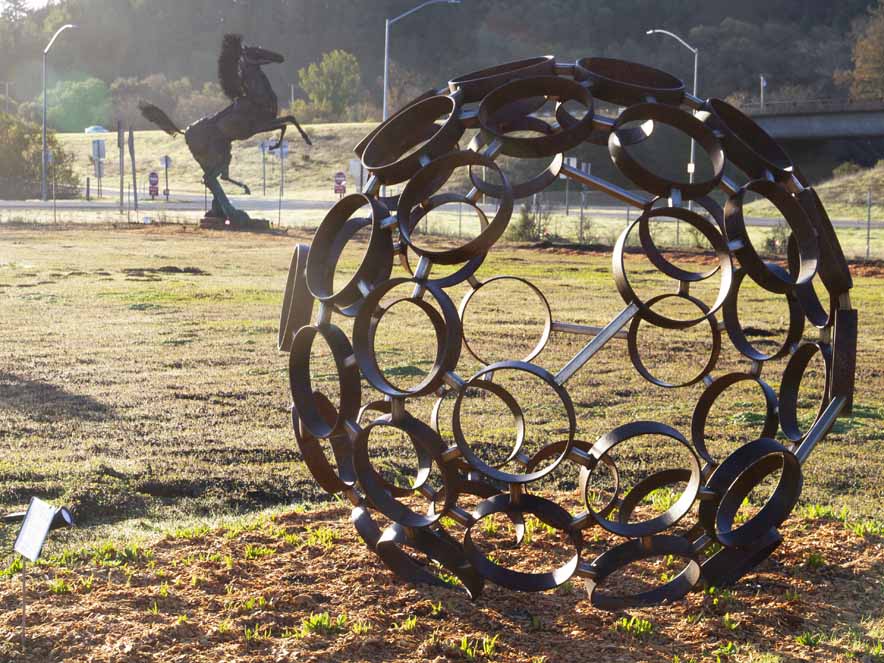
{"x": 390, "y": 154}
{"x": 678, "y": 119}
{"x": 530, "y": 186}
{"x": 814, "y": 311}
{"x": 446, "y": 327}
{"x": 797, "y": 219}
{"x": 437, "y": 548}
{"x": 426, "y": 182}
{"x": 468, "y": 297}
{"x": 675, "y": 512}
{"x": 330, "y": 479}
{"x": 791, "y": 383}
{"x": 547, "y": 512}
{"x": 629, "y": 295}
{"x": 424, "y": 439}
{"x": 470, "y": 266}
{"x": 336, "y": 229}
{"x": 735, "y": 478}
{"x": 730, "y": 314}
{"x": 554, "y": 449}
{"x": 549, "y": 145}
{"x": 476, "y": 84}
{"x": 635, "y": 550}
{"x": 626, "y": 83}
{"x": 833, "y": 268}
{"x": 464, "y": 446}
{"x": 424, "y": 458}
{"x": 300, "y": 381}
{"x": 748, "y": 146}
{"x": 710, "y": 395}
{"x": 297, "y": 302}
{"x": 711, "y": 232}
{"x": 728, "y": 565}
{"x": 635, "y": 355}
{"x": 647, "y": 486}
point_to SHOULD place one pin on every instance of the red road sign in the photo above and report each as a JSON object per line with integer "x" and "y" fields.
{"x": 340, "y": 178}
{"x": 153, "y": 179}
{"x": 340, "y": 188}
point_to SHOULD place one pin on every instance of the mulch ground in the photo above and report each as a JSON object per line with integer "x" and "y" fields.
{"x": 244, "y": 595}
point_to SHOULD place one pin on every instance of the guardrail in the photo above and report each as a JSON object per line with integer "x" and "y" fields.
{"x": 807, "y": 106}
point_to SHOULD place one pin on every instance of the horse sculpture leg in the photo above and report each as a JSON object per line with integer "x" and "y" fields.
{"x": 225, "y": 175}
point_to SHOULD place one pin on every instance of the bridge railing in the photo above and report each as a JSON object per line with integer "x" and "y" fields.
{"x": 806, "y": 106}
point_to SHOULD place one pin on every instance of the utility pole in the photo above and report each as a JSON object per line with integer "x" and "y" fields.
{"x": 762, "y": 83}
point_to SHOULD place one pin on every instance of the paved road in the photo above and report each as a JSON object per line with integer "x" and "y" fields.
{"x": 195, "y": 202}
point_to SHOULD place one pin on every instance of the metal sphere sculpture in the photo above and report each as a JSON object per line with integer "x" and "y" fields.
{"x": 418, "y": 146}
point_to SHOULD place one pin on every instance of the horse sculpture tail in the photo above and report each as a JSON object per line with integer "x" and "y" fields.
{"x": 159, "y": 118}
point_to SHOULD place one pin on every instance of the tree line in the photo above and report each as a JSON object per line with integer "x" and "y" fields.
{"x": 166, "y": 49}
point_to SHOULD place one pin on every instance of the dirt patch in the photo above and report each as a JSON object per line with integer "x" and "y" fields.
{"x": 248, "y": 594}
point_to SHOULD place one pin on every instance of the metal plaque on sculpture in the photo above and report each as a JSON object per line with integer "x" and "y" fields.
{"x": 34, "y": 529}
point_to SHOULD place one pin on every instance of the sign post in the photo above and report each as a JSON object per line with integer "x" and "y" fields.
{"x": 153, "y": 181}
{"x": 264, "y": 145}
{"x": 283, "y": 151}
{"x": 121, "y": 145}
{"x": 99, "y": 153}
{"x": 166, "y": 162}
{"x": 38, "y": 520}
{"x": 134, "y": 177}
{"x": 340, "y": 183}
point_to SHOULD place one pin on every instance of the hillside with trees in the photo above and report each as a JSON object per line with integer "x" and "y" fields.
{"x": 126, "y": 48}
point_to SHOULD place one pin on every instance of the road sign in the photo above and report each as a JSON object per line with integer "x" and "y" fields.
{"x": 340, "y": 182}
{"x": 154, "y": 180}
{"x": 166, "y": 162}
{"x": 282, "y": 150}
{"x": 98, "y": 149}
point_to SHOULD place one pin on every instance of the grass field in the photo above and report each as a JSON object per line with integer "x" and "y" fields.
{"x": 141, "y": 386}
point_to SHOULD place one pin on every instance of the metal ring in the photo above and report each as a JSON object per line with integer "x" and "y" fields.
{"x": 636, "y": 550}
{"x": 549, "y": 145}
{"x": 748, "y": 146}
{"x": 390, "y": 154}
{"x": 674, "y": 513}
{"x": 530, "y": 186}
{"x": 426, "y": 182}
{"x": 674, "y": 117}
{"x": 548, "y": 512}
{"x": 336, "y": 229}
{"x": 730, "y": 314}
{"x": 795, "y": 369}
{"x": 300, "y": 381}
{"x": 476, "y": 84}
{"x": 621, "y": 280}
{"x": 297, "y": 302}
{"x": 625, "y": 83}
{"x": 422, "y": 437}
{"x": 635, "y": 355}
{"x": 779, "y": 281}
{"x": 330, "y": 479}
{"x": 728, "y": 565}
{"x": 547, "y": 327}
{"x": 446, "y": 326}
{"x": 736, "y": 477}
{"x": 711, "y": 394}
{"x": 478, "y": 463}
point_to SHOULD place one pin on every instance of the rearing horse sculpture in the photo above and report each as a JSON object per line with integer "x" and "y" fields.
{"x": 253, "y": 111}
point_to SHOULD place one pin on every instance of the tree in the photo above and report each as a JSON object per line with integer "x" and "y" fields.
{"x": 332, "y": 85}
{"x": 74, "y": 105}
{"x": 867, "y": 78}
{"x": 14, "y": 10}
{"x": 20, "y": 149}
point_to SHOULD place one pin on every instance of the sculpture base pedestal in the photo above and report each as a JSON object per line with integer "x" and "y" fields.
{"x": 252, "y": 225}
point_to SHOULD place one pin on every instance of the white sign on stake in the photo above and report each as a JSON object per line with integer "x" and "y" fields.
{"x": 34, "y": 529}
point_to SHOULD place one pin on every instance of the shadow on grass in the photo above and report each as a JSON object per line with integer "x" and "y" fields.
{"x": 44, "y": 401}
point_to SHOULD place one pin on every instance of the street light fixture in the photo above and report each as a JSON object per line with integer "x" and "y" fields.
{"x": 44, "y": 159}
{"x": 391, "y": 21}
{"x": 696, "y": 52}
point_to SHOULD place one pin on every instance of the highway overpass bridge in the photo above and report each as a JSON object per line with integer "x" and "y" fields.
{"x": 822, "y": 119}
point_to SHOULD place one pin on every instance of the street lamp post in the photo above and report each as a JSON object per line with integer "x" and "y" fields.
{"x": 696, "y": 52}
{"x": 43, "y": 158}
{"x": 391, "y": 21}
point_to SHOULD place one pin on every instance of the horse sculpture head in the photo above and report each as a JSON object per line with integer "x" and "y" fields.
{"x": 234, "y": 56}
